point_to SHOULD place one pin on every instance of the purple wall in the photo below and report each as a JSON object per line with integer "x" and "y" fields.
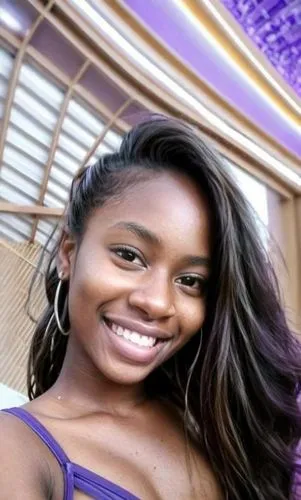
{"x": 171, "y": 25}
{"x": 275, "y": 27}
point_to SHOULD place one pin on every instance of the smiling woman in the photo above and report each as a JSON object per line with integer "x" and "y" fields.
{"x": 141, "y": 283}
{"x": 163, "y": 362}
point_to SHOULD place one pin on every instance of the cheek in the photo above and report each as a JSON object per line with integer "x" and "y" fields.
{"x": 193, "y": 316}
{"x": 96, "y": 281}
{"x": 84, "y": 290}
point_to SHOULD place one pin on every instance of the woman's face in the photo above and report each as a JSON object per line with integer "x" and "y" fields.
{"x": 138, "y": 278}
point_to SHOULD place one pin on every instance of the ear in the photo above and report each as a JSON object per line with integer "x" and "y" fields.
{"x": 66, "y": 254}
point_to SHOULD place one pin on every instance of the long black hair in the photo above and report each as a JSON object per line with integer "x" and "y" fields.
{"x": 237, "y": 390}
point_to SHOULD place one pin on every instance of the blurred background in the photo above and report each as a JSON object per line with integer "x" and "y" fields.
{"x": 76, "y": 74}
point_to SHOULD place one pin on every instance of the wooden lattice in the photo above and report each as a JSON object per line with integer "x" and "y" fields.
{"x": 17, "y": 264}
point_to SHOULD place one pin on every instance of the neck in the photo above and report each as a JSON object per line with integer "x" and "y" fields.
{"x": 82, "y": 385}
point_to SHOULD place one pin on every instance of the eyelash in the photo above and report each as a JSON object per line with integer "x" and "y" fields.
{"x": 202, "y": 284}
{"x": 130, "y": 250}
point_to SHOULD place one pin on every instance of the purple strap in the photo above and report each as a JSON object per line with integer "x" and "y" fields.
{"x": 53, "y": 446}
{"x": 92, "y": 484}
{"x": 75, "y": 476}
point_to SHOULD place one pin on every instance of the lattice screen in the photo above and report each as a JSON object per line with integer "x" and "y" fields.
{"x": 17, "y": 265}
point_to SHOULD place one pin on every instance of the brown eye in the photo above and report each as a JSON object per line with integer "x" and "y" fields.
{"x": 191, "y": 281}
{"x": 126, "y": 254}
{"x": 195, "y": 285}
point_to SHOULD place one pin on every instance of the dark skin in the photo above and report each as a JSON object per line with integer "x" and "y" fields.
{"x": 143, "y": 262}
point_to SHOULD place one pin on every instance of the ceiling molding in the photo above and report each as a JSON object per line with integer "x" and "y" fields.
{"x": 130, "y": 24}
{"x": 203, "y": 12}
{"x": 167, "y": 102}
{"x": 277, "y": 27}
{"x": 138, "y": 86}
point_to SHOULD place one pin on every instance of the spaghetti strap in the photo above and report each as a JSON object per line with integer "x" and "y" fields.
{"x": 42, "y": 432}
{"x": 75, "y": 476}
{"x": 51, "y": 444}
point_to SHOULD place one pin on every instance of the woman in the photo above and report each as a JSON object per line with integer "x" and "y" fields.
{"x": 163, "y": 362}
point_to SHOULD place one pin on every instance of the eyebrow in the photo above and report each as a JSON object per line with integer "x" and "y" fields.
{"x": 195, "y": 260}
{"x": 140, "y": 231}
{"x": 149, "y": 236}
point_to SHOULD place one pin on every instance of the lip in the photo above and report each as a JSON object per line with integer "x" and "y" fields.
{"x": 130, "y": 351}
{"x": 139, "y": 327}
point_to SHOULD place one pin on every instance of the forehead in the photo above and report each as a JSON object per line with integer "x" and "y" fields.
{"x": 169, "y": 203}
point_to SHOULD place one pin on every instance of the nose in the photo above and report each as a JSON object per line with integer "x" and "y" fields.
{"x": 154, "y": 297}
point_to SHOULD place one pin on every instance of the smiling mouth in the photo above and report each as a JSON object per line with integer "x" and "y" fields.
{"x": 142, "y": 341}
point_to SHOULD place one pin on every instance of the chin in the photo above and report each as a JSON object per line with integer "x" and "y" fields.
{"x": 125, "y": 374}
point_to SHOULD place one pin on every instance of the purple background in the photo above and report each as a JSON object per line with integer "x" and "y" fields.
{"x": 171, "y": 25}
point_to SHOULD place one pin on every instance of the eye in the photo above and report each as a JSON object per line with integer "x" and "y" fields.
{"x": 193, "y": 284}
{"x": 128, "y": 254}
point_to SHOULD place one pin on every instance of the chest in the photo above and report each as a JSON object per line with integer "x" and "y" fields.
{"x": 151, "y": 465}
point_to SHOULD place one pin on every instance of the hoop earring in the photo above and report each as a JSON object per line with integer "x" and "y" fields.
{"x": 56, "y": 302}
{"x": 49, "y": 324}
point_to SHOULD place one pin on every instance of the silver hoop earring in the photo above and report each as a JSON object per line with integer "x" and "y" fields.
{"x": 49, "y": 325}
{"x": 56, "y": 311}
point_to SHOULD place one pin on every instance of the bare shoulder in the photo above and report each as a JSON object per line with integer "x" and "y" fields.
{"x": 23, "y": 468}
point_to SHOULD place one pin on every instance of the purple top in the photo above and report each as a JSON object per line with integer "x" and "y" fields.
{"x": 75, "y": 476}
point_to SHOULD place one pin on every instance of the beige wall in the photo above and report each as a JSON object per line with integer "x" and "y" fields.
{"x": 17, "y": 265}
{"x": 285, "y": 250}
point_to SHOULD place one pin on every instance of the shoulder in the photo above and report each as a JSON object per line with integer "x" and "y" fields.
{"x": 23, "y": 465}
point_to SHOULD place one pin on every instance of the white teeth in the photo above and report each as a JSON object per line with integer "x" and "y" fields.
{"x": 114, "y": 327}
{"x": 119, "y": 331}
{"x": 126, "y": 333}
{"x": 136, "y": 338}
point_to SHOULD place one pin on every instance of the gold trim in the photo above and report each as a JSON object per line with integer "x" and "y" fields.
{"x": 220, "y": 142}
{"x": 205, "y": 18}
{"x": 260, "y": 57}
{"x": 217, "y": 104}
{"x": 170, "y": 105}
{"x": 158, "y": 94}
